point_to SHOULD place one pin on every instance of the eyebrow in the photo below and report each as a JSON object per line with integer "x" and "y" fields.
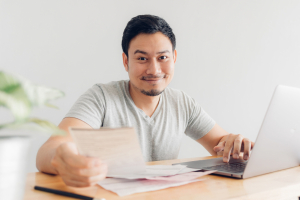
{"x": 143, "y": 52}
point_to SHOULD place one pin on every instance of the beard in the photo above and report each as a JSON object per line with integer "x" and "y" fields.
{"x": 152, "y": 92}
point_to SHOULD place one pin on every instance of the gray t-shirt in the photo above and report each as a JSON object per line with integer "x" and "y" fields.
{"x": 160, "y": 136}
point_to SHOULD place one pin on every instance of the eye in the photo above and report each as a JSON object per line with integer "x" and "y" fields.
{"x": 162, "y": 57}
{"x": 142, "y": 58}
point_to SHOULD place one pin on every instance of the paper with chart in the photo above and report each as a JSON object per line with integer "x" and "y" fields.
{"x": 124, "y": 187}
{"x": 155, "y": 170}
{"x": 181, "y": 177}
{"x": 119, "y": 148}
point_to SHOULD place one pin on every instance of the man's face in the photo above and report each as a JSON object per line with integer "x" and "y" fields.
{"x": 151, "y": 63}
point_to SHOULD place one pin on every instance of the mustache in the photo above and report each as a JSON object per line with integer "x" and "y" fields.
{"x": 152, "y": 76}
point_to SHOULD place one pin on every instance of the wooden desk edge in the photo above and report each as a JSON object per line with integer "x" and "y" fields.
{"x": 281, "y": 183}
{"x": 32, "y": 177}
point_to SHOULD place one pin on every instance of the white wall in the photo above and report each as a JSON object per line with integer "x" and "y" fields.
{"x": 231, "y": 54}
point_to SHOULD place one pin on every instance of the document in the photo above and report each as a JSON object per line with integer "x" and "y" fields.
{"x": 158, "y": 170}
{"x": 181, "y": 177}
{"x": 153, "y": 171}
{"x": 119, "y": 148}
{"x": 124, "y": 187}
{"x": 186, "y": 170}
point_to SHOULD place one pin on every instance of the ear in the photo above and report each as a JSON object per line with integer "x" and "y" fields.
{"x": 175, "y": 56}
{"x": 125, "y": 61}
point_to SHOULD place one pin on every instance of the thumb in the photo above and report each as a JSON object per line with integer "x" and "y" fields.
{"x": 220, "y": 146}
{"x": 69, "y": 154}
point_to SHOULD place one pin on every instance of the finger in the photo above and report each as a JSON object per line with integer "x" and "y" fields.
{"x": 228, "y": 147}
{"x": 220, "y": 153}
{"x": 83, "y": 181}
{"x": 252, "y": 145}
{"x": 219, "y": 147}
{"x": 87, "y": 172}
{"x": 88, "y": 180}
{"x": 69, "y": 154}
{"x": 67, "y": 147}
{"x": 79, "y": 161}
{"x": 237, "y": 146}
{"x": 62, "y": 168}
{"x": 247, "y": 148}
{"x": 95, "y": 171}
{"x": 75, "y": 183}
{"x": 58, "y": 163}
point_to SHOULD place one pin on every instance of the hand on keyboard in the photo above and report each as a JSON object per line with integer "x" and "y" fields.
{"x": 234, "y": 144}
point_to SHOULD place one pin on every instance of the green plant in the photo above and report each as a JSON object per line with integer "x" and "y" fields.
{"x": 20, "y": 96}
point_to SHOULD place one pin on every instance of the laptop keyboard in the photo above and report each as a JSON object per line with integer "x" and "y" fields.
{"x": 228, "y": 167}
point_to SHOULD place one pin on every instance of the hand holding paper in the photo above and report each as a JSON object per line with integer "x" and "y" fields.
{"x": 77, "y": 170}
{"x": 118, "y": 148}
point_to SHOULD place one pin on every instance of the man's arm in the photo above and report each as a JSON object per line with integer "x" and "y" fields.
{"x": 219, "y": 142}
{"x": 47, "y": 150}
{"x": 59, "y": 156}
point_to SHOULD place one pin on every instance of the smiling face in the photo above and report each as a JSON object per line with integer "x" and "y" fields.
{"x": 151, "y": 61}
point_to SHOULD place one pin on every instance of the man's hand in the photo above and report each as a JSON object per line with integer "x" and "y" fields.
{"x": 235, "y": 143}
{"x": 77, "y": 170}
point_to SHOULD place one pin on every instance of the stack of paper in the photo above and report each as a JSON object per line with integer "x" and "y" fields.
{"x": 150, "y": 182}
{"x": 119, "y": 149}
{"x": 155, "y": 170}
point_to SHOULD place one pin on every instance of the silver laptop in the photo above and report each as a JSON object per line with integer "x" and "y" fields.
{"x": 277, "y": 145}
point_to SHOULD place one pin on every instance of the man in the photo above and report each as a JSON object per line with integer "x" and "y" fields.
{"x": 159, "y": 114}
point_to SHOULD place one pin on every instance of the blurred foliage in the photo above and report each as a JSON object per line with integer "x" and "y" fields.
{"x": 20, "y": 96}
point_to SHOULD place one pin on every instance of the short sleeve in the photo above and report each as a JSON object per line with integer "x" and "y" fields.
{"x": 199, "y": 122}
{"x": 90, "y": 107}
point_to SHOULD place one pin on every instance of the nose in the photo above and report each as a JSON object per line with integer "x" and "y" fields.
{"x": 153, "y": 68}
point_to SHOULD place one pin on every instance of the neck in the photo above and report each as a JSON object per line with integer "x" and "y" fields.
{"x": 147, "y": 103}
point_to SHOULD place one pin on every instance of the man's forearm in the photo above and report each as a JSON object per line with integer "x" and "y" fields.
{"x": 213, "y": 138}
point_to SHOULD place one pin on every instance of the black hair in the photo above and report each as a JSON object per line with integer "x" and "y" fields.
{"x": 148, "y": 24}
